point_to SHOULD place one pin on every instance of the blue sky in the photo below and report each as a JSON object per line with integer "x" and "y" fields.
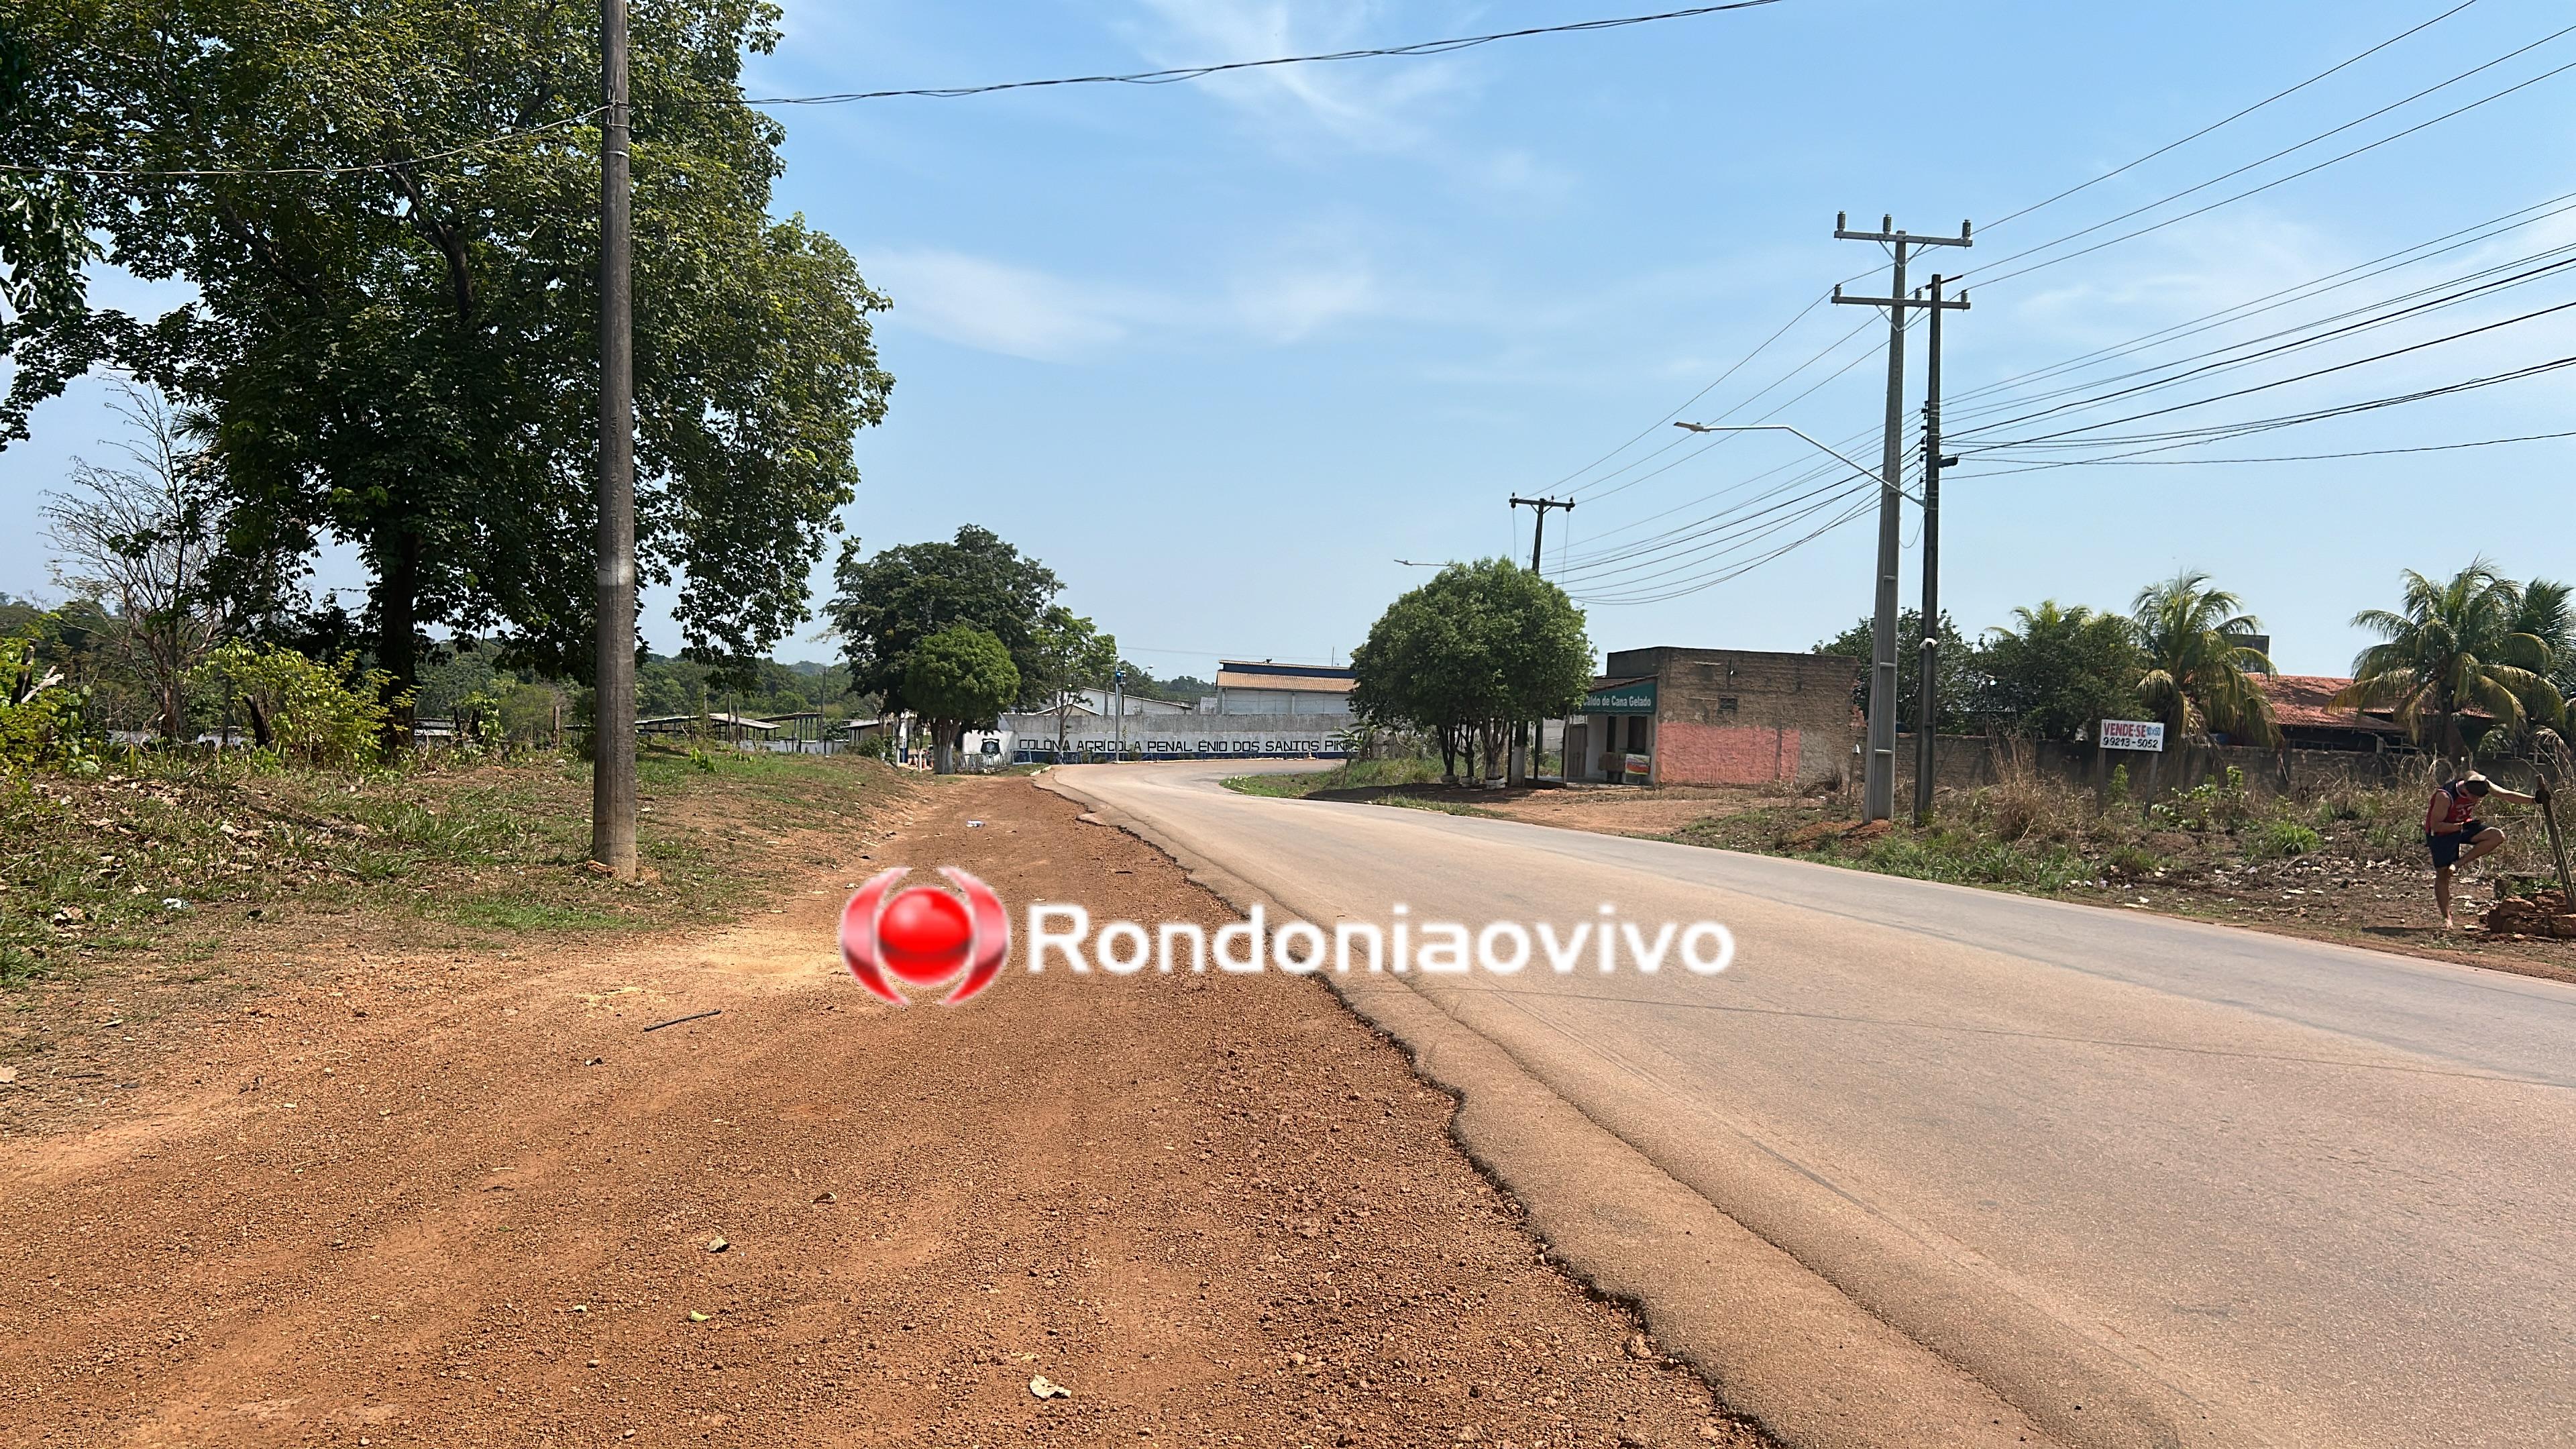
{"x": 1220, "y": 352}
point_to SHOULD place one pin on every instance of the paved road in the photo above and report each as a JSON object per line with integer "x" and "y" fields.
{"x": 2156, "y": 1182}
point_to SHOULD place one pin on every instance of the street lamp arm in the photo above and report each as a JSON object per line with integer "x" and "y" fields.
{"x": 1869, "y": 473}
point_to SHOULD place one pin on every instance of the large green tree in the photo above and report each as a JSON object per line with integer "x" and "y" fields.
{"x": 1961, "y": 683}
{"x": 2196, "y": 672}
{"x": 959, "y": 679}
{"x": 2453, "y": 646}
{"x": 888, "y": 602}
{"x": 2058, "y": 671}
{"x": 394, "y": 342}
{"x": 1480, "y": 646}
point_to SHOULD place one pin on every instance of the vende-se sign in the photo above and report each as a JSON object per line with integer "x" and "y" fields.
{"x": 2133, "y": 734}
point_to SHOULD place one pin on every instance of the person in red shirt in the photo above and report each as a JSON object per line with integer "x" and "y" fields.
{"x": 2455, "y": 834}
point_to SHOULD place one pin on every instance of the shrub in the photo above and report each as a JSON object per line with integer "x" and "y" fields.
{"x": 2209, "y": 805}
{"x": 41, "y": 718}
{"x": 2132, "y": 860}
{"x": 323, "y": 714}
{"x": 2286, "y": 838}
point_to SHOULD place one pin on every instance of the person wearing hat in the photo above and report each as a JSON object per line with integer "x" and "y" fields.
{"x": 2455, "y": 834}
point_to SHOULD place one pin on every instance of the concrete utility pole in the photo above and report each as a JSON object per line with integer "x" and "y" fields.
{"x": 1878, "y": 794}
{"x": 1927, "y": 692}
{"x": 612, "y": 723}
{"x": 1523, "y": 745}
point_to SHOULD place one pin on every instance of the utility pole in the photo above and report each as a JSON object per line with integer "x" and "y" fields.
{"x": 1538, "y": 540}
{"x": 1927, "y": 692}
{"x": 1526, "y": 743}
{"x": 1878, "y": 794}
{"x": 612, "y": 725}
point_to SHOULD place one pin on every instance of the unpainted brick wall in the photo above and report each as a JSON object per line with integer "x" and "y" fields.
{"x": 1699, "y": 754}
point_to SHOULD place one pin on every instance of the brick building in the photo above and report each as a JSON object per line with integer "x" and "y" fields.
{"x": 1715, "y": 717}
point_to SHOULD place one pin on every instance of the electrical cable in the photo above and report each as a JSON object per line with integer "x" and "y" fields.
{"x": 1200, "y": 72}
{"x": 1977, "y": 273}
{"x": 2009, "y": 217}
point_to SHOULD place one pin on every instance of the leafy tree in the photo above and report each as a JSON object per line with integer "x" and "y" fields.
{"x": 1479, "y": 646}
{"x": 401, "y": 351}
{"x": 2196, "y": 672}
{"x": 2455, "y": 646}
{"x": 1069, "y": 654}
{"x": 1961, "y": 681}
{"x": 322, "y": 713}
{"x": 1185, "y": 688}
{"x": 143, "y": 538}
{"x": 43, "y": 241}
{"x": 888, "y": 604}
{"x": 2058, "y": 671}
{"x": 958, "y": 679}
{"x": 2546, "y": 610}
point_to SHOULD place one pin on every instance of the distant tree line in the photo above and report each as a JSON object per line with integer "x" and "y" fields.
{"x": 2474, "y": 664}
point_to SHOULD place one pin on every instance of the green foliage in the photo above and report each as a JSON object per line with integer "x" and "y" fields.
{"x": 1348, "y": 775}
{"x": 2282, "y": 839}
{"x": 1960, "y": 671}
{"x": 1480, "y": 645}
{"x": 2058, "y": 672}
{"x": 2464, "y": 644}
{"x": 41, "y": 720}
{"x": 2119, "y": 783}
{"x": 320, "y": 714}
{"x": 403, "y": 351}
{"x": 1967, "y": 858}
{"x": 959, "y": 679}
{"x": 2197, "y": 673}
{"x": 1066, "y": 653}
{"x": 2221, "y": 804}
{"x": 888, "y": 604}
{"x": 2132, "y": 860}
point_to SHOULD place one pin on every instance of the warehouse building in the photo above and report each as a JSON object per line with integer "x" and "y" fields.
{"x": 1246, "y": 686}
{"x": 1672, "y": 716}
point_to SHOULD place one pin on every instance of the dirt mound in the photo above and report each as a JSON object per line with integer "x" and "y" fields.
{"x": 2543, "y": 913}
{"x": 1816, "y": 835}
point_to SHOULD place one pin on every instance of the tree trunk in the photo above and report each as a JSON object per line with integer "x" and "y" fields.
{"x": 398, "y": 631}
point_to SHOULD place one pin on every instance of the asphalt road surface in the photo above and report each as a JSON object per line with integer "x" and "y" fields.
{"x": 2155, "y": 1182}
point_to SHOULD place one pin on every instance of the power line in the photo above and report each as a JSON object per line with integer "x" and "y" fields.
{"x": 1991, "y": 281}
{"x": 1155, "y": 77}
{"x": 2193, "y": 437}
{"x": 2313, "y": 287}
{"x": 2231, "y": 119}
{"x": 2046, "y": 438}
{"x": 2276, "y": 458}
{"x": 1200, "y": 72}
{"x": 2480, "y": 286}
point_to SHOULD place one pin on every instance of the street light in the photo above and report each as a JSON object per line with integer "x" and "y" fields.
{"x": 1869, "y": 473}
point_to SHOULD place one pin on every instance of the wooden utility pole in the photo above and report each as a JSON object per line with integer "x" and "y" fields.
{"x": 1878, "y": 793}
{"x": 1528, "y": 742}
{"x": 1927, "y": 693}
{"x": 612, "y": 724}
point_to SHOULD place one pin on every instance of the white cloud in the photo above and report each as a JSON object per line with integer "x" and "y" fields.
{"x": 1019, "y": 311}
{"x": 997, "y": 307}
{"x": 1366, "y": 105}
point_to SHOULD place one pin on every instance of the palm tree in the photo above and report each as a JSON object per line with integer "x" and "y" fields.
{"x": 2468, "y": 644}
{"x": 2198, "y": 673}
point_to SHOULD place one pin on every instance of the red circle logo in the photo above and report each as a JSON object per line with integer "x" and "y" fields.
{"x": 924, "y": 936}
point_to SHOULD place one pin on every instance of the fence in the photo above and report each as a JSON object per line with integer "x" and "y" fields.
{"x": 1967, "y": 761}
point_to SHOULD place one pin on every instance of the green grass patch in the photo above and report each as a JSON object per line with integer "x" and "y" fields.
{"x": 126, "y": 860}
{"x": 1446, "y": 807}
{"x": 511, "y": 915}
{"x": 1348, "y": 775}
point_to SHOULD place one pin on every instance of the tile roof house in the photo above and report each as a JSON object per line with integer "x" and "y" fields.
{"x": 2302, "y": 705}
